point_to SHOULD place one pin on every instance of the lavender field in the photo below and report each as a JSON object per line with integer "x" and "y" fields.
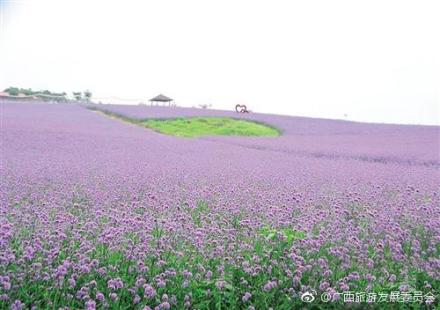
{"x": 98, "y": 213}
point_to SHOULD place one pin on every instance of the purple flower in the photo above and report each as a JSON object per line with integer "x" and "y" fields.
{"x": 269, "y": 286}
{"x": 161, "y": 283}
{"x": 370, "y": 278}
{"x": 246, "y": 297}
{"x": 208, "y": 274}
{"x": 100, "y": 296}
{"x": 404, "y": 288}
{"x": 136, "y": 299}
{"x": 71, "y": 282}
{"x": 220, "y": 284}
{"x": 323, "y": 286}
{"x": 164, "y": 305}
{"x": 17, "y": 305}
{"x": 6, "y": 285}
{"x": 149, "y": 291}
{"x": 90, "y": 304}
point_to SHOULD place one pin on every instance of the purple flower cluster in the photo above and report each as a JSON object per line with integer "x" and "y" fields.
{"x": 109, "y": 213}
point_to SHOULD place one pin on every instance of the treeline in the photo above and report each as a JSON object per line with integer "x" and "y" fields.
{"x": 15, "y": 91}
{"x": 49, "y": 95}
{"x": 85, "y": 95}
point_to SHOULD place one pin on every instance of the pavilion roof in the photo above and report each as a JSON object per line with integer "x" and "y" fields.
{"x": 161, "y": 98}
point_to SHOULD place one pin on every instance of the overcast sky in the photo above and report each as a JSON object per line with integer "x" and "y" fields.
{"x": 375, "y": 61}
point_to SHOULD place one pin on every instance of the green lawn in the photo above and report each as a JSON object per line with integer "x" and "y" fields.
{"x": 208, "y": 126}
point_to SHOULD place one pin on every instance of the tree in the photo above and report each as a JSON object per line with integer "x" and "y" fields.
{"x": 27, "y": 92}
{"x": 13, "y": 91}
{"x": 77, "y": 95}
{"x": 87, "y": 95}
{"x": 205, "y": 106}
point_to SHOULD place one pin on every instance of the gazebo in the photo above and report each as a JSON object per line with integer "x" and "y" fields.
{"x": 161, "y": 98}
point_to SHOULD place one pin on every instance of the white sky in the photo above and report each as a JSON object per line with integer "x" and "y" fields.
{"x": 376, "y": 61}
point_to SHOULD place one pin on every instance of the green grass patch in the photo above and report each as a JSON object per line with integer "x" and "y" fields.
{"x": 192, "y": 127}
{"x": 210, "y": 126}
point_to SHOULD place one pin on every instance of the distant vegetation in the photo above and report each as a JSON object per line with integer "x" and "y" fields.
{"x": 205, "y": 106}
{"x": 86, "y": 95}
{"x": 48, "y": 95}
{"x": 15, "y": 91}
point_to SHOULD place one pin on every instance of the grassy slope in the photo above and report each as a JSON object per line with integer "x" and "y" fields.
{"x": 206, "y": 126}
{"x": 191, "y": 127}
